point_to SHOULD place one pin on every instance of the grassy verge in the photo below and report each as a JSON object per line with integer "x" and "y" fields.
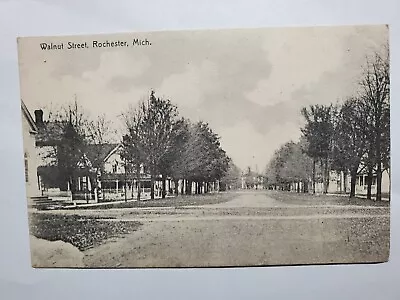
{"x": 182, "y": 200}
{"x": 81, "y": 231}
{"x": 310, "y": 199}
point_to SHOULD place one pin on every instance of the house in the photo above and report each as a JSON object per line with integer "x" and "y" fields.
{"x": 48, "y": 138}
{"x": 99, "y": 175}
{"x": 30, "y": 157}
{"x": 252, "y": 180}
{"x": 340, "y": 184}
{"x": 361, "y": 186}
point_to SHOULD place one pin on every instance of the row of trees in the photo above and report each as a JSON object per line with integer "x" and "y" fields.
{"x": 349, "y": 138}
{"x": 290, "y": 164}
{"x": 171, "y": 146}
{"x": 156, "y": 137}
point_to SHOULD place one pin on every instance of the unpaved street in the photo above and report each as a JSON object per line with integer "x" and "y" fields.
{"x": 251, "y": 229}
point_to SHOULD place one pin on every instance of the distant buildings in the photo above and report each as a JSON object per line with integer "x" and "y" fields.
{"x": 252, "y": 180}
{"x": 339, "y": 184}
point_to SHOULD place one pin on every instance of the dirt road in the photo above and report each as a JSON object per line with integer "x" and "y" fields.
{"x": 251, "y": 229}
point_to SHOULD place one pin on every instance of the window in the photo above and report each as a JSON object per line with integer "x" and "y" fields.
{"x": 115, "y": 167}
{"x": 26, "y": 167}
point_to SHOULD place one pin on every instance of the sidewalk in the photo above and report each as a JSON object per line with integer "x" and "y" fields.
{"x": 100, "y": 204}
{"x": 357, "y": 196}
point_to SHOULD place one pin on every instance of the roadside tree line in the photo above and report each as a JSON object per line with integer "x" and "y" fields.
{"x": 170, "y": 147}
{"x": 349, "y": 138}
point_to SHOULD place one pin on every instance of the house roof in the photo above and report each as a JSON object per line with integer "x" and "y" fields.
{"x": 29, "y": 118}
{"x": 49, "y": 133}
{"x": 101, "y": 152}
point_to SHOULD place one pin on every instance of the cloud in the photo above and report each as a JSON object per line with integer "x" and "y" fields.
{"x": 248, "y": 84}
{"x": 118, "y": 70}
{"x": 298, "y": 57}
{"x": 247, "y": 147}
{"x": 187, "y": 88}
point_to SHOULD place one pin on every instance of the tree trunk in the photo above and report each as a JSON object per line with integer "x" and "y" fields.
{"x": 164, "y": 187}
{"x": 151, "y": 187}
{"x": 138, "y": 181}
{"x": 189, "y": 187}
{"x": 378, "y": 152}
{"x": 72, "y": 187}
{"x": 353, "y": 174}
{"x": 305, "y": 186}
{"x": 313, "y": 177}
{"x": 345, "y": 181}
{"x": 369, "y": 182}
{"x": 326, "y": 177}
{"x": 176, "y": 187}
{"x": 379, "y": 183}
{"x": 183, "y": 183}
{"x": 322, "y": 165}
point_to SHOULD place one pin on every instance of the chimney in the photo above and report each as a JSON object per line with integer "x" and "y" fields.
{"x": 39, "y": 117}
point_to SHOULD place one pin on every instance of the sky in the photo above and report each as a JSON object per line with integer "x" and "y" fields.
{"x": 248, "y": 84}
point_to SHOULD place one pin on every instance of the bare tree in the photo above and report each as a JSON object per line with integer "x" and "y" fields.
{"x": 375, "y": 86}
{"x": 133, "y": 148}
{"x": 66, "y": 132}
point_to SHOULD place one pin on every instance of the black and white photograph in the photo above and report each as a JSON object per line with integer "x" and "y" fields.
{"x": 207, "y": 148}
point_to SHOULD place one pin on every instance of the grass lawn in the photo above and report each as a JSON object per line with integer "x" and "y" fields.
{"x": 181, "y": 200}
{"x": 81, "y": 231}
{"x": 310, "y": 199}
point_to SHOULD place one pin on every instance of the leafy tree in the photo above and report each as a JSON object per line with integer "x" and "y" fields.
{"x": 290, "y": 164}
{"x": 319, "y": 130}
{"x": 297, "y": 166}
{"x": 350, "y": 138}
{"x": 70, "y": 154}
{"x": 176, "y": 160}
{"x": 275, "y": 173}
{"x": 232, "y": 177}
{"x": 203, "y": 157}
{"x": 150, "y": 127}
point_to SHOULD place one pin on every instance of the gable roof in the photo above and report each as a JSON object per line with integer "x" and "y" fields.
{"x": 98, "y": 153}
{"x": 49, "y": 133}
{"x": 28, "y": 117}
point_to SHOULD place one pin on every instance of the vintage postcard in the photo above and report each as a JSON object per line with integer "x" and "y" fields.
{"x": 209, "y": 148}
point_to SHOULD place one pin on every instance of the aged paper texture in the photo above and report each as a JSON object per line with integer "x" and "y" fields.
{"x": 213, "y": 148}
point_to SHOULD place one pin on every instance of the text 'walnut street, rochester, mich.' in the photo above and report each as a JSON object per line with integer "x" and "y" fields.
{"x": 69, "y": 45}
{"x": 208, "y": 148}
